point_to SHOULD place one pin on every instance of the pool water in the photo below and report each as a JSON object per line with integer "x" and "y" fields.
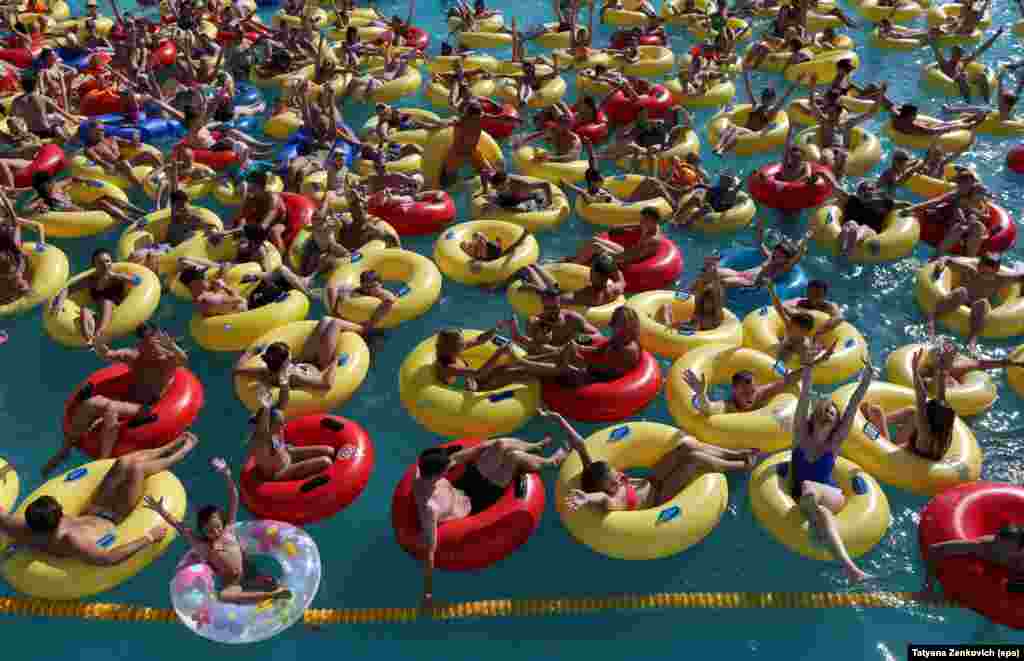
{"x": 364, "y": 567}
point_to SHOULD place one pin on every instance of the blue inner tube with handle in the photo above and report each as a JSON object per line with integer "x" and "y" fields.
{"x": 791, "y": 284}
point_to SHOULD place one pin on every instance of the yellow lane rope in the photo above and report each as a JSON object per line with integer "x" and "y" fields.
{"x": 18, "y": 606}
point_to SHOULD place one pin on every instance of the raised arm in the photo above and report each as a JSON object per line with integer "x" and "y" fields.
{"x": 572, "y": 436}
{"x": 846, "y": 422}
{"x": 984, "y": 47}
{"x": 803, "y": 405}
{"x": 222, "y": 467}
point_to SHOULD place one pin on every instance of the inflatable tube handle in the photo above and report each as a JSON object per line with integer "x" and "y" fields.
{"x": 666, "y": 515}
{"x": 314, "y": 483}
{"x": 332, "y": 424}
{"x": 871, "y": 431}
{"x": 521, "y": 486}
{"x": 106, "y": 541}
{"x": 76, "y": 474}
{"x": 500, "y": 341}
{"x": 501, "y": 396}
{"x": 859, "y": 484}
{"x": 619, "y": 433}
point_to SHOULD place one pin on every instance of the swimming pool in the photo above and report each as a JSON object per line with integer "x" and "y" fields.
{"x": 365, "y": 568}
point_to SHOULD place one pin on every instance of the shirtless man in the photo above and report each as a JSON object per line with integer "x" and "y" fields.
{"x": 758, "y": 119}
{"x": 746, "y": 395}
{"x": 947, "y": 369}
{"x": 46, "y": 527}
{"x": 906, "y": 120}
{"x": 214, "y": 297}
{"x": 509, "y": 192}
{"x": 44, "y": 116}
{"x": 980, "y": 283}
{"x": 567, "y": 145}
{"x": 265, "y": 208}
{"x": 153, "y": 363}
{"x": 606, "y": 283}
{"x": 1003, "y": 549}
{"x": 491, "y": 467}
{"x": 644, "y": 248}
{"x": 468, "y": 129}
{"x": 554, "y": 327}
{"x": 955, "y": 66}
{"x": 779, "y": 260}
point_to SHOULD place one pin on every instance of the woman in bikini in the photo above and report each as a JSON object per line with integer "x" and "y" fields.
{"x": 275, "y": 460}
{"x": 107, "y": 289}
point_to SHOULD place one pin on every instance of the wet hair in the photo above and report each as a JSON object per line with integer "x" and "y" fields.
{"x": 204, "y": 515}
{"x": 28, "y": 83}
{"x": 900, "y": 155}
{"x": 907, "y": 110}
{"x": 433, "y": 462}
{"x": 768, "y": 94}
{"x": 604, "y": 264}
{"x": 845, "y": 63}
{"x": 446, "y": 48}
{"x": 1013, "y": 532}
{"x": 189, "y": 275}
{"x": 98, "y": 252}
{"x": 803, "y": 320}
{"x": 369, "y": 276}
{"x": 818, "y": 284}
{"x": 41, "y": 185}
{"x": 179, "y": 197}
{"x": 448, "y": 339}
{"x": 940, "y": 417}
{"x": 988, "y": 259}
{"x": 743, "y": 376}
{"x": 593, "y": 176}
{"x": 259, "y": 178}
{"x": 275, "y": 355}
{"x": 650, "y": 212}
{"x": 594, "y": 475}
{"x": 499, "y": 177}
{"x": 474, "y": 109}
{"x": 43, "y": 514}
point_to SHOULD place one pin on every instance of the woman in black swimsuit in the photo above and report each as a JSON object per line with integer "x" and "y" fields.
{"x": 107, "y": 289}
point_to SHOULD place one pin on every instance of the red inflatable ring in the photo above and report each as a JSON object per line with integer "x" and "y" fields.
{"x": 658, "y": 271}
{"x": 607, "y": 401}
{"x": 102, "y": 102}
{"x": 788, "y": 195}
{"x": 622, "y": 38}
{"x": 218, "y": 160}
{"x": 304, "y": 501}
{"x": 479, "y": 540}
{"x": 416, "y": 218}
{"x": 416, "y": 38}
{"x": 655, "y": 98}
{"x": 175, "y": 412}
{"x": 49, "y": 159}
{"x": 967, "y": 512}
{"x": 1015, "y": 159}
{"x": 500, "y": 121}
{"x": 1002, "y": 231}
{"x": 164, "y": 55}
{"x": 300, "y": 215}
{"x": 596, "y": 132}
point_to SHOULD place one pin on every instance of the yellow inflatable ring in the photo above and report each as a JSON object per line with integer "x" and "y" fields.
{"x": 876, "y": 13}
{"x": 594, "y": 56}
{"x": 628, "y": 16}
{"x": 940, "y": 14}
{"x": 767, "y": 428}
{"x": 799, "y": 110}
{"x": 318, "y": 15}
{"x": 436, "y": 153}
{"x": 44, "y": 576}
{"x": 675, "y": 342}
{"x": 824, "y": 65}
{"x": 618, "y": 213}
{"x": 420, "y": 278}
{"x": 975, "y": 394}
{"x": 283, "y": 125}
{"x": 446, "y": 64}
{"x": 737, "y": 217}
{"x": 895, "y": 43}
{"x": 654, "y": 61}
{"x": 477, "y": 38}
{"x": 641, "y": 534}
{"x": 900, "y": 233}
{"x": 718, "y": 94}
{"x": 862, "y": 523}
{"x": 926, "y": 186}
{"x": 49, "y": 267}
{"x": 670, "y": 11}
{"x": 455, "y": 412}
{"x": 455, "y": 263}
{"x": 195, "y": 188}
{"x": 771, "y": 138}
{"x": 548, "y": 95}
{"x": 763, "y": 330}
{"x": 9, "y": 488}
{"x": 901, "y": 467}
{"x": 416, "y": 137}
{"x": 74, "y": 224}
{"x": 544, "y": 220}
{"x": 570, "y": 278}
{"x": 951, "y": 141}
{"x": 397, "y": 88}
{"x": 409, "y": 164}
{"x": 224, "y": 190}
{"x": 1015, "y": 375}
{"x": 532, "y": 162}
{"x": 278, "y": 80}
{"x": 937, "y": 80}
{"x": 863, "y": 154}
{"x": 1004, "y": 320}
{"x": 225, "y": 251}
{"x": 353, "y": 363}
{"x": 553, "y": 38}
{"x": 138, "y": 306}
{"x": 236, "y": 331}
{"x": 701, "y": 29}
{"x": 438, "y": 92}
{"x": 84, "y": 167}
{"x": 152, "y": 230}
{"x": 1001, "y": 127}
{"x": 687, "y": 143}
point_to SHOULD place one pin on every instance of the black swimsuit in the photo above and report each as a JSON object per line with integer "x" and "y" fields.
{"x": 482, "y": 492}
{"x": 114, "y": 292}
{"x": 269, "y": 291}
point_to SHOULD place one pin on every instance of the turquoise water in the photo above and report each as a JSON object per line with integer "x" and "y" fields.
{"x": 365, "y": 568}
